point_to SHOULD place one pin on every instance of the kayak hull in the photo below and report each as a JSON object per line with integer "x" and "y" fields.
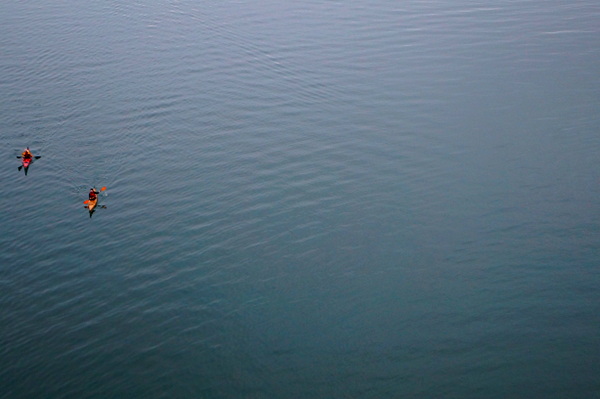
{"x": 25, "y": 164}
{"x": 92, "y": 204}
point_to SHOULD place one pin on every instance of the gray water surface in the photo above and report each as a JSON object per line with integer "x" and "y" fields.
{"x": 316, "y": 199}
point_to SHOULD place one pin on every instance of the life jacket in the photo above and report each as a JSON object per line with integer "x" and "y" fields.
{"x": 93, "y": 195}
{"x": 27, "y": 154}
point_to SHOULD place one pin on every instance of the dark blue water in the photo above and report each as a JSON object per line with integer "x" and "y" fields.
{"x": 316, "y": 199}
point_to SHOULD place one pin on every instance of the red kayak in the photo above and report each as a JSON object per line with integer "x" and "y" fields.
{"x": 25, "y": 162}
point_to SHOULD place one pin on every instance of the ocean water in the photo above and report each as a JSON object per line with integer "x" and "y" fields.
{"x": 315, "y": 199}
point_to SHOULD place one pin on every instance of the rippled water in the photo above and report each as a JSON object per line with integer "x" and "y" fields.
{"x": 316, "y": 199}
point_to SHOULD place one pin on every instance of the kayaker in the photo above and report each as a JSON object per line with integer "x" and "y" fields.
{"x": 27, "y": 154}
{"x": 93, "y": 194}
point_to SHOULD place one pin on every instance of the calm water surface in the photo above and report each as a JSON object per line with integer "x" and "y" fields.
{"x": 317, "y": 199}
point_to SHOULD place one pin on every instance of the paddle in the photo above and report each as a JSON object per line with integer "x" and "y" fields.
{"x": 88, "y": 201}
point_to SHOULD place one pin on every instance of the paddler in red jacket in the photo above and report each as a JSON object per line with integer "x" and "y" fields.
{"x": 93, "y": 194}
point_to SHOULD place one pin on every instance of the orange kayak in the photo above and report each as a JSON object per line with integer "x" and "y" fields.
{"x": 92, "y": 204}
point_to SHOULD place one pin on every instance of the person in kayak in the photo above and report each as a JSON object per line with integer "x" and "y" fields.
{"x": 93, "y": 194}
{"x": 27, "y": 154}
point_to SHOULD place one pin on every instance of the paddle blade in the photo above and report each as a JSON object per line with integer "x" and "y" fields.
{"x": 37, "y": 156}
{"x": 103, "y": 188}
{"x": 18, "y": 156}
{"x": 86, "y": 201}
